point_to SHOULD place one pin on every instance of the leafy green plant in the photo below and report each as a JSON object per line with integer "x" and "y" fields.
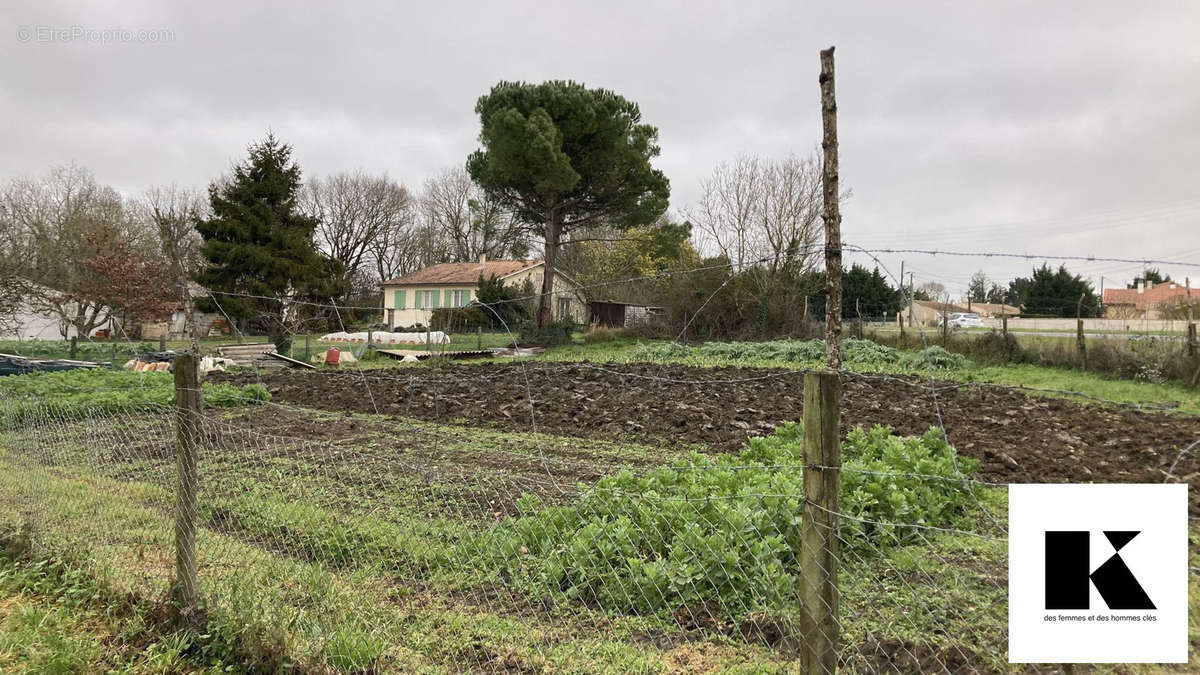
{"x": 81, "y": 393}
{"x": 864, "y": 352}
{"x": 936, "y": 358}
{"x": 723, "y": 529}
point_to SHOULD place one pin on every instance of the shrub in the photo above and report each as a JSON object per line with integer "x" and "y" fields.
{"x": 723, "y": 529}
{"x": 459, "y": 319}
{"x": 557, "y": 333}
{"x": 936, "y": 358}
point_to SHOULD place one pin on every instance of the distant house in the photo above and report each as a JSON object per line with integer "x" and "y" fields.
{"x": 1144, "y": 302}
{"x": 991, "y": 310}
{"x": 929, "y": 313}
{"x": 35, "y": 320}
{"x": 410, "y": 300}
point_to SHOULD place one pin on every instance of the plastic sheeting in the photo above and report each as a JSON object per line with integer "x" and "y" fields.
{"x": 436, "y": 337}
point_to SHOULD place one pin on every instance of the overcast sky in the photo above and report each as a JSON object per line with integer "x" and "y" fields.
{"x": 1046, "y": 128}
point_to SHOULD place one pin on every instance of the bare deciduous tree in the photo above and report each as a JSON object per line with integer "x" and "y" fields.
{"x": 471, "y": 224}
{"x": 55, "y": 221}
{"x": 173, "y": 212}
{"x": 757, "y": 210}
{"x": 361, "y": 220}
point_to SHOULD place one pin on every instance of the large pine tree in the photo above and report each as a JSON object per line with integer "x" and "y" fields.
{"x": 259, "y": 247}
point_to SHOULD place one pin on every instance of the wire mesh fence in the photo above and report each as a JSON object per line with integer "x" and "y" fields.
{"x": 388, "y": 520}
{"x": 661, "y": 513}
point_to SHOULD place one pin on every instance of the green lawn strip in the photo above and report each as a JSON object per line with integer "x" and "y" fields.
{"x": 54, "y": 619}
{"x": 339, "y": 617}
{"x": 1123, "y": 391}
{"x": 80, "y": 394}
{"x": 1127, "y": 391}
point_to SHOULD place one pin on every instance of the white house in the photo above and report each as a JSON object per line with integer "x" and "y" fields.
{"x": 410, "y": 300}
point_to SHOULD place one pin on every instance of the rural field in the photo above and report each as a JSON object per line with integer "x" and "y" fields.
{"x": 601, "y": 508}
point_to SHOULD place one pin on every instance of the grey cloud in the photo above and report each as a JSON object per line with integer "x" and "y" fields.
{"x": 1002, "y": 126}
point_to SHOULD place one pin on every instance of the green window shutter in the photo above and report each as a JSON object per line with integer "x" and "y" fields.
{"x": 449, "y": 298}
{"x": 437, "y": 299}
{"x": 417, "y": 299}
{"x": 466, "y": 298}
{"x": 400, "y": 300}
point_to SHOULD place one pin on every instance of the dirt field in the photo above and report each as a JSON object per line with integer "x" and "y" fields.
{"x": 1019, "y": 438}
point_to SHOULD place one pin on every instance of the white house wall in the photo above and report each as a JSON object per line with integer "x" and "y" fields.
{"x": 409, "y": 315}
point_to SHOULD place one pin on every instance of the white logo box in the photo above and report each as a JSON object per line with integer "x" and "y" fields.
{"x": 1157, "y": 558}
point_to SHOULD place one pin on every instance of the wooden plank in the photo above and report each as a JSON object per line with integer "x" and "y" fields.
{"x": 290, "y": 361}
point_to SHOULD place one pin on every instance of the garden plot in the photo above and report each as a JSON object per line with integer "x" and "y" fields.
{"x": 1017, "y": 438}
{"x": 389, "y": 543}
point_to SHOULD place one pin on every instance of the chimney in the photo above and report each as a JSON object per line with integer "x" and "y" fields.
{"x": 1141, "y": 286}
{"x": 482, "y": 259}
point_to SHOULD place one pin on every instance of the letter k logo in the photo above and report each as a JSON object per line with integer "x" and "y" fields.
{"x": 1067, "y": 560}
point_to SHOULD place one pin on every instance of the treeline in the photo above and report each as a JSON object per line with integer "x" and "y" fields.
{"x": 77, "y": 249}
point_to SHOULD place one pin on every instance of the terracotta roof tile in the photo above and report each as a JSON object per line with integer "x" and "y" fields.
{"x": 1153, "y": 295}
{"x": 462, "y": 273}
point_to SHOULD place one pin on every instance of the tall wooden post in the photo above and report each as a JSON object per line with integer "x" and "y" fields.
{"x": 818, "y": 590}
{"x": 479, "y": 338}
{"x": 74, "y": 346}
{"x": 819, "y": 627}
{"x": 189, "y": 407}
{"x": 1080, "y": 343}
{"x": 1004, "y": 324}
{"x": 831, "y": 215}
{"x": 1191, "y": 329}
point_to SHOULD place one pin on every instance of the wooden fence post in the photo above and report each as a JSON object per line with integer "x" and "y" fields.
{"x": 189, "y": 406}
{"x": 819, "y": 627}
{"x": 479, "y": 337}
{"x": 1004, "y": 324}
{"x": 1080, "y": 343}
{"x": 74, "y": 345}
{"x": 1191, "y": 340}
{"x": 831, "y": 215}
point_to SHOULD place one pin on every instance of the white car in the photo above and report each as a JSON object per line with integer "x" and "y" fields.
{"x": 964, "y": 320}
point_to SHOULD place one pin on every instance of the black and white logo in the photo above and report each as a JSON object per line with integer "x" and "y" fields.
{"x": 1098, "y": 573}
{"x": 1068, "y": 556}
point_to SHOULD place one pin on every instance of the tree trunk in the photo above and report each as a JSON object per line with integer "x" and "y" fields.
{"x": 553, "y": 233}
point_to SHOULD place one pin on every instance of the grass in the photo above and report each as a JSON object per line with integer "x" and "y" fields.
{"x": 352, "y": 555}
{"x": 56, "y": 619}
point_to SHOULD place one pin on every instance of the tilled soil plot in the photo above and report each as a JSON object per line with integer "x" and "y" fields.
{"x": 1018, "y": 438}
